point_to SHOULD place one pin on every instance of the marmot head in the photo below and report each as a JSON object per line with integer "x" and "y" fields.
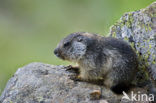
{"x": 74, "y": 46}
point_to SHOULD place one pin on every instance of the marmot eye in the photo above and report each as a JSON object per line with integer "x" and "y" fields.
{"x": 79, "y": 39}
{"x": 66, "y": 44}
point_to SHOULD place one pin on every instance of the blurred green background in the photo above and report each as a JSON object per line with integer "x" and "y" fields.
{"x": 31, "y": 29}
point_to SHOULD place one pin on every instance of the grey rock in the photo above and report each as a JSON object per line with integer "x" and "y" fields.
{"x": 44, "y": 83}
{"x": 139, "y": 30}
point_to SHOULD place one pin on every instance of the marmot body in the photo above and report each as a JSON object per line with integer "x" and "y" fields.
{"x": 100, "y": 58}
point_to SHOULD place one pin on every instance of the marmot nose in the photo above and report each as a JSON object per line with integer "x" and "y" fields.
{"x": 56, "y": 51}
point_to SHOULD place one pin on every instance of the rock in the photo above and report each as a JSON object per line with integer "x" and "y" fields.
{"x": 44, "y": 83}
{"x": 139, "y": 29}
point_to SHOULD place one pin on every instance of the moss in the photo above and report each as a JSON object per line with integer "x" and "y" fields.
{"x": 114, "y": 34}
{"x": 150, "y": 46}
{"x": 133, "y": 45}
{"x": 10, "y": 101}
{"x": 149, "y": 27}
{"x": 39, "y": 99}
{"x": 153, "y": 56}
{"x": 125, "y": 38}
{"x": 113, "y": 31}
{"x": 130, "y": 20}
{"x": 153, "y": 62}
{"x": 149, "y": 53}
{"x": 146, "y": 28}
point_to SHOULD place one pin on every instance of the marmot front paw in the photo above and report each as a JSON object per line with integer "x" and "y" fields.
{"x": 74, "y": 69}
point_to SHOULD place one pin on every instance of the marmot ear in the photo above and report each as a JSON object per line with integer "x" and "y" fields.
{"x": 90, "y": 42}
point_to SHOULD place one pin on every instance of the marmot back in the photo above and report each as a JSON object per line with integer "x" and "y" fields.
{"x": 100, "y": 58}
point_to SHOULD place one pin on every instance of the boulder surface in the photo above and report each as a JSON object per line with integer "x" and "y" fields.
{"x": 44, "y": 83}
{"x": 139, "y": 30}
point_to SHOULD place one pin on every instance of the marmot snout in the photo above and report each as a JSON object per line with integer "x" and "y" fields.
{"x": 100, "y": 58}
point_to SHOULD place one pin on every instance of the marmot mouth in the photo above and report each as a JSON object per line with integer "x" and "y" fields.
{"x": 59, "y": 56}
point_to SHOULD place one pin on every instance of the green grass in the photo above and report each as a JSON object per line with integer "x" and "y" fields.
{"x": 31, "y": 29}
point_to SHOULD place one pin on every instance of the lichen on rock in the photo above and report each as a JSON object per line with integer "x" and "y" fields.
{"x": 139, "y": 30}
